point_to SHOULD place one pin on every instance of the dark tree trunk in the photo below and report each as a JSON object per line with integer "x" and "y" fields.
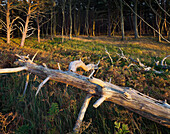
{"x": 54, "y": 22}
{"x": 75, "y": 22}
{"x": 38, "y": 26}
{"x": 79, "y": 23}
{"x": 122, "y": 20}
{"x": 109, "y": 25}
{"x": 87, "y": 18}
{"x": 135, "y": 19}
{"x": 71, "y": 24}
{"x": 63, "y": 14}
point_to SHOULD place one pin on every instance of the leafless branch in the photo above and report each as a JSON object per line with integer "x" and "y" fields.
{"x": 109, "y": 55}
{"x": 146, "y": 22}
{"x": 122, "y": 56}
{"x": 162, "y": 8}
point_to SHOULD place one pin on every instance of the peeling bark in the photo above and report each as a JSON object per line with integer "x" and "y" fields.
{"x": 155, "y": 110}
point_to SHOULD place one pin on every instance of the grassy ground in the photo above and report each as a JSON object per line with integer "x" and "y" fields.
{"x": 55, "y": 111}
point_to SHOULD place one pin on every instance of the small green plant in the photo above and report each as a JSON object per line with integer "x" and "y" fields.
{"x": 24, "y": 129}
{"x": 53, "y": 111}
{"x": 121, "y": 128}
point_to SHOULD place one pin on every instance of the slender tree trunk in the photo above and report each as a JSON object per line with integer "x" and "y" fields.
{"x": 71, "y": 24}
{"x": 63, "y": 13}
{"x": 39, "y": 38}
{"x": 38, "y": 26}
{"x": 38, "y": 22}
{"x": 75, "y": 22}
{"x": 63, "y": 26}
{"x": 54, "y": 22}
{"x": 8, "y": 22}
{"x": 47, "y": 29}
{"x": 87, "y": 18}
{"x": 140, "y": 24}
{"x": 122, "y": 20}
{"x": 79, "y": 23}
{"x": 51, "y": 24}
{"x": 43, "y": 31}
{"x": 135, "y": 19}
{"x": 94, "y": 26}
{"x": 26, "y": 27}
{"x": 158, "y": 21}
{"x": 109, "y": 25}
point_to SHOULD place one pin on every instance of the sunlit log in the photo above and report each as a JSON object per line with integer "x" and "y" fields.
{"x": 155, "y": 110}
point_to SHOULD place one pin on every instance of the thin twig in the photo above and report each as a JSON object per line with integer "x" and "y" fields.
{"x": 109, "y": 55}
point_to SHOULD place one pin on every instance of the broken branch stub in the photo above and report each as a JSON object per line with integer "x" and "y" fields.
{"x": 78, "y": 63}
{"x": 155, "y": 110}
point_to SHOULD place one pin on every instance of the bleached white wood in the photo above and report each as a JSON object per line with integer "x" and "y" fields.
{"x": 99, "y": 101}
{"x": 82, "y": 113}
{"x": 109, "y": 55}
{"x": 13, "y": 70}
{"x": 162, "y": 62}
{"x": 40, "y": 86}
{"x": 26, "y": 84}
{"x": 34, "y": 56}
{"x": 78, "y": 63}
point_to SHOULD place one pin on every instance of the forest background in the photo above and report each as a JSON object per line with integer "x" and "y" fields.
{"x": 66, "y": 30}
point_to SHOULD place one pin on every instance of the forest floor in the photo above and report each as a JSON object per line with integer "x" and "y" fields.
{"x": 147, "y": 42}
{"x": 55, "y": 111}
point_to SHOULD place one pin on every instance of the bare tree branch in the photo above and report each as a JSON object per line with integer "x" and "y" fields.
{"x": 146, "y": 22}
{"x": 162, "y": 8}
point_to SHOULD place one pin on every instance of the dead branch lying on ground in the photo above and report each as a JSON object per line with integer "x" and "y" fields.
{"x": 155, "y": 110}
{"x": 163, "y": 62}
{"x": 140, "y": 65}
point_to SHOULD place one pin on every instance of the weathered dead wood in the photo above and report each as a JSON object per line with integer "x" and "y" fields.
{"x": 155, "y": 110}
{"x": 12, "y": 70}
{"x": 40, "y": 86}
{"x": 162, "y": 62}
{"x": 163, "y": 65}
{"x": 109, "y": 55}
{"x": 122, "y": 56}
{"x": 78, "y": 63}
{"x": 82, "y": 113}
{"x": 141, "y": 65}
{"x": 26, "y": 84}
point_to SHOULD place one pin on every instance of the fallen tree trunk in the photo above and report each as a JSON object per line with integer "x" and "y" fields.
{"x": 155, "y": 110}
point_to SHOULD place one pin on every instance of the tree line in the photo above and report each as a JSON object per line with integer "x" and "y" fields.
{"x": 47, "y": 18}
